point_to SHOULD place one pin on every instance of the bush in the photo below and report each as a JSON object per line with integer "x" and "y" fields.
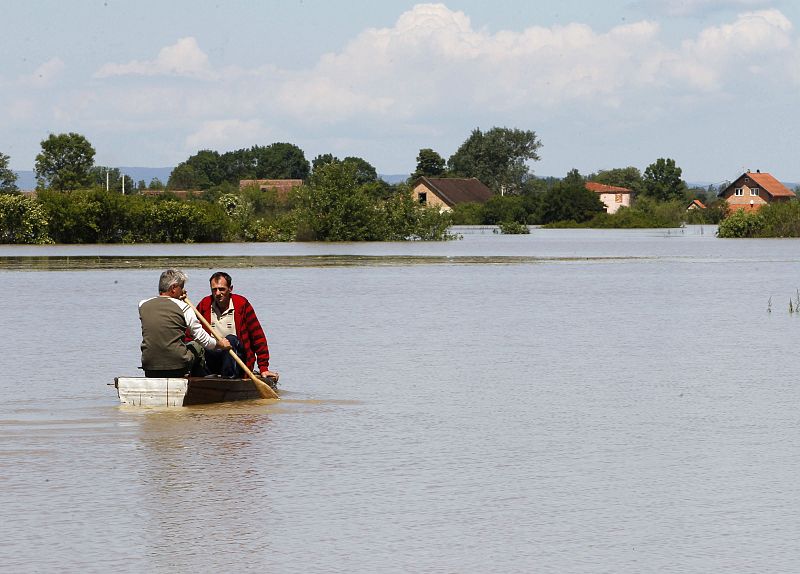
{"x": 513, "y": 228}
{"x": 467, "y": 214}
{"x": 22, "y": 220}
{"x": 741, "y": 224}
{"x": 334, "y": 207}
{"x": 781, "y": 219}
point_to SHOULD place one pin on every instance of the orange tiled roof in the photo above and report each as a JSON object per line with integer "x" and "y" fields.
{"x": 770, "y": 184}
{"x": 698, "y": 203}
{"x": 603, "y": 188}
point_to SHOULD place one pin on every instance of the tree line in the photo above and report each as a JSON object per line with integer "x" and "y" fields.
{"x": 340, "y": 199}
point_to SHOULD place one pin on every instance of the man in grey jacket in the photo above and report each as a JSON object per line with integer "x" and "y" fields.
{"x": 165, "y": 320}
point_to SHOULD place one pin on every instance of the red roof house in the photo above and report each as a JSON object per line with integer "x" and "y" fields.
{"x": 613, "y": 197}
{"x": 753, "y": 190}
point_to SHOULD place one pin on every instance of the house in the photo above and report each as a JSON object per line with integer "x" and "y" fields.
{"x": 753, "y": 190}
{"x": 613, "y": 197}
{"x": 446, "y": 192}
{"x": 696, "y": 204}
{"x": 281, "y": 186}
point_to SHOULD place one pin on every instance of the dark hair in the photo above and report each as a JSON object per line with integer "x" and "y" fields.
{"x": 221, "y": 275}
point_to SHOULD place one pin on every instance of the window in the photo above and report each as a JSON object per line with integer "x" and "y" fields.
{"x": 747, "y": 180}
{"x": 423, "y": 197}
{"x": 754, "y": 191}
{"x": 739, "y": 191}
{"x": 618, "y": 198}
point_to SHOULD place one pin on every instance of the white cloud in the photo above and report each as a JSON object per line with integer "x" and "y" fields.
{"x": 754, "y": 42}
{"x": 226, "y": 134}
{"x": 45, "y": 75}
{"x": 431, "y": 77}
{"x": 432, "y": 61}
{"x": 184, "y": 58}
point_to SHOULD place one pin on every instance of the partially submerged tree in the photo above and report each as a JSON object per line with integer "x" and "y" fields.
{"x": 570, "y": 201}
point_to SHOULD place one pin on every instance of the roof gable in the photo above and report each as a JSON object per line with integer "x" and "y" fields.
{"x": 764, "y": 181}
{"x": 453, "y": 190}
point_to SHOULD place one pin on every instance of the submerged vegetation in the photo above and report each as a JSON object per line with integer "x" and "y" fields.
{"x": 330, "y": 199}
{"x": 330, "y": 208}
{"x": 773, "y": 220}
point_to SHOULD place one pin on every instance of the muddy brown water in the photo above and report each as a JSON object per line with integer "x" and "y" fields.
{"x": 566, "y": 401}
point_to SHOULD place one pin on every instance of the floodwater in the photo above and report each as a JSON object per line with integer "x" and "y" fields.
{"x": 567, "y": 401}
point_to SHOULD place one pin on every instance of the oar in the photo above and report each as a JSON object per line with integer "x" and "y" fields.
{"x": 264, "y": 389}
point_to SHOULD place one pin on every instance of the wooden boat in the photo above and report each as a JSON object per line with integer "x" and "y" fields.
{"x": 181, "y": 392}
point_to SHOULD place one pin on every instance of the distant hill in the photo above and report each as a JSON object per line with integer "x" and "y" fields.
{"x": 26, "y": 180}
{"x": 393, "y": 178}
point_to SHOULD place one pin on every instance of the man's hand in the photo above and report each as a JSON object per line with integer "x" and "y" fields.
{"x": 223, "y": 345}
{"x": 271, "y": 375}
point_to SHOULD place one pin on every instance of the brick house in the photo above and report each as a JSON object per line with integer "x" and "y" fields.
{"x": 753, "y": 190}
{"x": 445, "y": 192}
{"x": 613, "y": 197}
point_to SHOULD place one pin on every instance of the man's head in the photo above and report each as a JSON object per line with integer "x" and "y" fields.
{"x": 221, "y": 289}
{"x": 171, "y": 282}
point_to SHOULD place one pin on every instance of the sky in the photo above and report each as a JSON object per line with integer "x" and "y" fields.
{"x": 713, "y": 84}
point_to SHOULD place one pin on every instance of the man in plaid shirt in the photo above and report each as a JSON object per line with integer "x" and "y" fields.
{"x": 234, "y": 318}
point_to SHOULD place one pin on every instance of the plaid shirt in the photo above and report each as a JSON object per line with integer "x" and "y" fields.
{"x": 248, "y": 329}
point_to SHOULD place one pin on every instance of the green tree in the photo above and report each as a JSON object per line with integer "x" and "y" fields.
{"x": 570, "y": 201}
{"x": 429, "y": 164}
{"x": 186, "y": 176}
{"x": 323, "y": 159}
{"x": 200, "y": 171}
{"x": 156, "y": 184}
{"x": 280, "y": 161}
{"x": 501, "y": 209}
{"x": 497, "y": 158}
{"x": 22, "y": 220}
{"x": 101, "y": 175}
{"x": 573, "y": 178}
{"x": 8, "y": 179}
{"x": 64, "y": 162}
{"x": 628, "y": 177}
{"x": 662, "y": 180}
{"x": 334, "y": 208}
{"x": 365, "y": 172}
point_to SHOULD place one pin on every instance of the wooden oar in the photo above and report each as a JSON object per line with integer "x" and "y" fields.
{"x": 264, "y": 389}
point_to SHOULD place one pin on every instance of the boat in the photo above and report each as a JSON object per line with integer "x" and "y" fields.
{"x": 186, "y": 391}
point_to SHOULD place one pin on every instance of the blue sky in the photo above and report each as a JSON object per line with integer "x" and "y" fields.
{"x": 713, "y": 84}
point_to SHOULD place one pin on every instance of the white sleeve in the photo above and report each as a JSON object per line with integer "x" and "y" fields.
{"x": 198, "y": 333}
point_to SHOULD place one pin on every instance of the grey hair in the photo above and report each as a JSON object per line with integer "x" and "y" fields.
{"x": 171, "y": 277}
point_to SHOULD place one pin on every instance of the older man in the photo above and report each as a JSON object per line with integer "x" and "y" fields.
{"x": 165, "y": 319}
{"x": 233, "y": 317}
